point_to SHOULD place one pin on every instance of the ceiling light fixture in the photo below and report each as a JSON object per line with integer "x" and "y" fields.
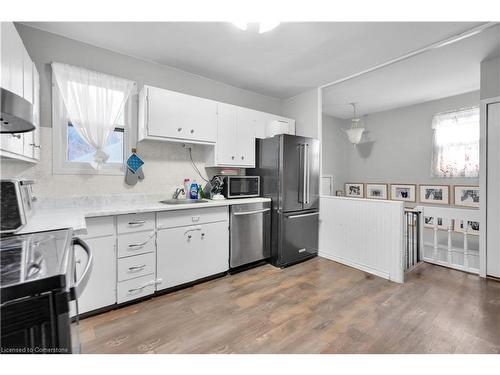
{"x": 264, "y": 27}
{"x": 355, "y": 133}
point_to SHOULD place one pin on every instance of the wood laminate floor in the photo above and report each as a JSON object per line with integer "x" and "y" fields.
{"x": 314, "y": 307}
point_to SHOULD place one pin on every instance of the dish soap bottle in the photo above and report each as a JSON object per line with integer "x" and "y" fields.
{"x": 187, "y": 187}
{"x": 193, "y": 191}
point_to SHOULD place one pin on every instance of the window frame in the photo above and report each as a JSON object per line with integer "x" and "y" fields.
{"x": 61, "y": 164}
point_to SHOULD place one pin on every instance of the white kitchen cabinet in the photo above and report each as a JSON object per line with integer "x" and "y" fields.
{"x": 269, "y": 125}
{"x": 186, "y": 254}
{"x": 173, "y": 116}
{"x": 101, "y": 287}
{"x": 235, "y": 136}
{"x": 18, "y": 77}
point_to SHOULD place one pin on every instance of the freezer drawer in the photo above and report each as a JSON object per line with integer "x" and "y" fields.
{"x": 299, "y": 237}
{"x": 250, "y": 236}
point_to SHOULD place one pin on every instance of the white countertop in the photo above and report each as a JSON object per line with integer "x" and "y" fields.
{"x": 73, "y": 214}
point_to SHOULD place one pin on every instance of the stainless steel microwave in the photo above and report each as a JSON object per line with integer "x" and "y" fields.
{"x": 241, "y": 186}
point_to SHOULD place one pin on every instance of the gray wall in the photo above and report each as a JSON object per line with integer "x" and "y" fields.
{"x": 397, "y": 145}
{"x": 166, "y": 163}
{"x": 490, "y": 78}
{"x": 45, "y": 48}
{"x": 335, "y": 150}
{"x": 304, "y": 108}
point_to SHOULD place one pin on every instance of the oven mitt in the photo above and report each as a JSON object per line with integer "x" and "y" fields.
{"x": 140, "y": 174}
{"x": 131, "y": 178}
{"x": 134, "y": 162}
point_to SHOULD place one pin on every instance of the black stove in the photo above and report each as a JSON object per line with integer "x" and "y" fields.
{"x": 37, "y": 285}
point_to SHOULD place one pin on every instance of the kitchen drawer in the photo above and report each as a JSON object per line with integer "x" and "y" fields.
{"x": 136, "y": 243}
{"x": 171, "y": 219}
{"x": 100, "y": 226}
{"x": 135, "y": 288}
{"x": 136, "y": 266}
{"x": 135, "y": 222}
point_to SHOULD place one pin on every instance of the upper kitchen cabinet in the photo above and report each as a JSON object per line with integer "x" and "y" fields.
{"x": 20, "y": 77}
{"x": 172, "y": 116}
{"x": 235, "y": 137}
{"x": 268, "y": 125}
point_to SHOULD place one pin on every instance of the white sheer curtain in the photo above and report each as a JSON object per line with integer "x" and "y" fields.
{"x": 94, "y": 102}
{"x": 456, "y": 144}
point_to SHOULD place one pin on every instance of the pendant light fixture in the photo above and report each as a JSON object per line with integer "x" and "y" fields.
{"x": 355, "y": 133}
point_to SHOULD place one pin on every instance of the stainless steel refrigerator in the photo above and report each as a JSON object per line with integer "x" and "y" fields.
{"x": 289, "y": 169}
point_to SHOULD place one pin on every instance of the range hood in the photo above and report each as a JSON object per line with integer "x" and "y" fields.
{"x": 16, "y": 113}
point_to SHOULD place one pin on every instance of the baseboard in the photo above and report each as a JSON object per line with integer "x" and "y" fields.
{"x": 352, "y": 264}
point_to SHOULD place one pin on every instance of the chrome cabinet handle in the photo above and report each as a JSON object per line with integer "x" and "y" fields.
{"x": 251, "y": 212}
{"x": 142, "y": 287}
{"x": 203, "y": 235}
{"x": 232, "y": 157}
{"x": 140, "y": 244}
{"x": 192, "y": 131}
{"x": 242, "y": 158}
{"x": 138, "y": 222}
{"x": 179, "y": 129}
{"x": 18, "y": 136}
{"x": 136, "y": 268}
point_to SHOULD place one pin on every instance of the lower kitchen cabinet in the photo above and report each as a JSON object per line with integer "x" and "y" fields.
{"x": 189, "y": 253}
{"x": 101, "y": 287}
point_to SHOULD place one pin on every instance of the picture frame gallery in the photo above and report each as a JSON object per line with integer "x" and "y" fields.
{"x": 457, "y": 195}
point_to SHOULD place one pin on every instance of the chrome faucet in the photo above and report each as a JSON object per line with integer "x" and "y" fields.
{"x": 177, "y": 192}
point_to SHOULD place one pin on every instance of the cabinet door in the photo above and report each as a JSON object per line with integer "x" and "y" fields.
{"x": 200, "y": 119}
{"x": 246, "y": 137}
{"x": 36, "y": 113}
{"x": 186, "y": 254}
{"x": 493, "y": 191}
{"x": 13, "y": 143}
{"x": 164, "y": 113}
{"x": 101, "y": 287}
{"x": 15, "y": 55}
{"x": 27, "y": 77}
{"x": 5, "y": 46}
{"x": 227, "y": 134}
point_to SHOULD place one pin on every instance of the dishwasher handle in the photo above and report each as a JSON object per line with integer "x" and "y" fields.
{"x": 251, "y": 212}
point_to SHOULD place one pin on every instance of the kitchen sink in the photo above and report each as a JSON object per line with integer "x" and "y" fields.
{"x": 183, "y": 201}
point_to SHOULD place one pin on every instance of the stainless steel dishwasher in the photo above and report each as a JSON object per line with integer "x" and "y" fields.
{"x": 250, "y": 233}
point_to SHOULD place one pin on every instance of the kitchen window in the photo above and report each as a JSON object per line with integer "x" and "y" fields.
{"x": 455, "y": 151}
{"x": 91, "y": 121}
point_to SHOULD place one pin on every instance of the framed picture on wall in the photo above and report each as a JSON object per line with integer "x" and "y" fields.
{"x": 376, "y": 191}
{"x": 404, "y": 192}
{"x": 355, "y": 190}
{"x": 435, "y": 194}
{"x": 472, "y": 226}
{"x": 466, "y": 196}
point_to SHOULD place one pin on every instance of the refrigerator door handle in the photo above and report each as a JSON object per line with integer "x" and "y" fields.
{"x": 301, "y": 178}
{"x": 304, "y": 174}
{"x": 302, "y": 215}
{"x": 307, "y": 172}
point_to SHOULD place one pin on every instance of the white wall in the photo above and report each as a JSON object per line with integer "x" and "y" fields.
{"x": 490, "y": 78}
{"x": 305, "y": 109}
{"x": 365, "y": 234}
{"x": 166, "y": 164}
{"x": 336, "y": 150}
{"x": 397, "y": 145}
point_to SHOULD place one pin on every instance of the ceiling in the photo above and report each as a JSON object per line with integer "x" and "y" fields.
{"x": 294, "y": 57}
{"x": 439, "y": 73}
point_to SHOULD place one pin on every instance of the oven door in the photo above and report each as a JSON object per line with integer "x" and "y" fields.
{"x": 243, "y": 186}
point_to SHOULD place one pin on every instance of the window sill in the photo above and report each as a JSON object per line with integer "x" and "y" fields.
{"x": 85, "y": 169}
